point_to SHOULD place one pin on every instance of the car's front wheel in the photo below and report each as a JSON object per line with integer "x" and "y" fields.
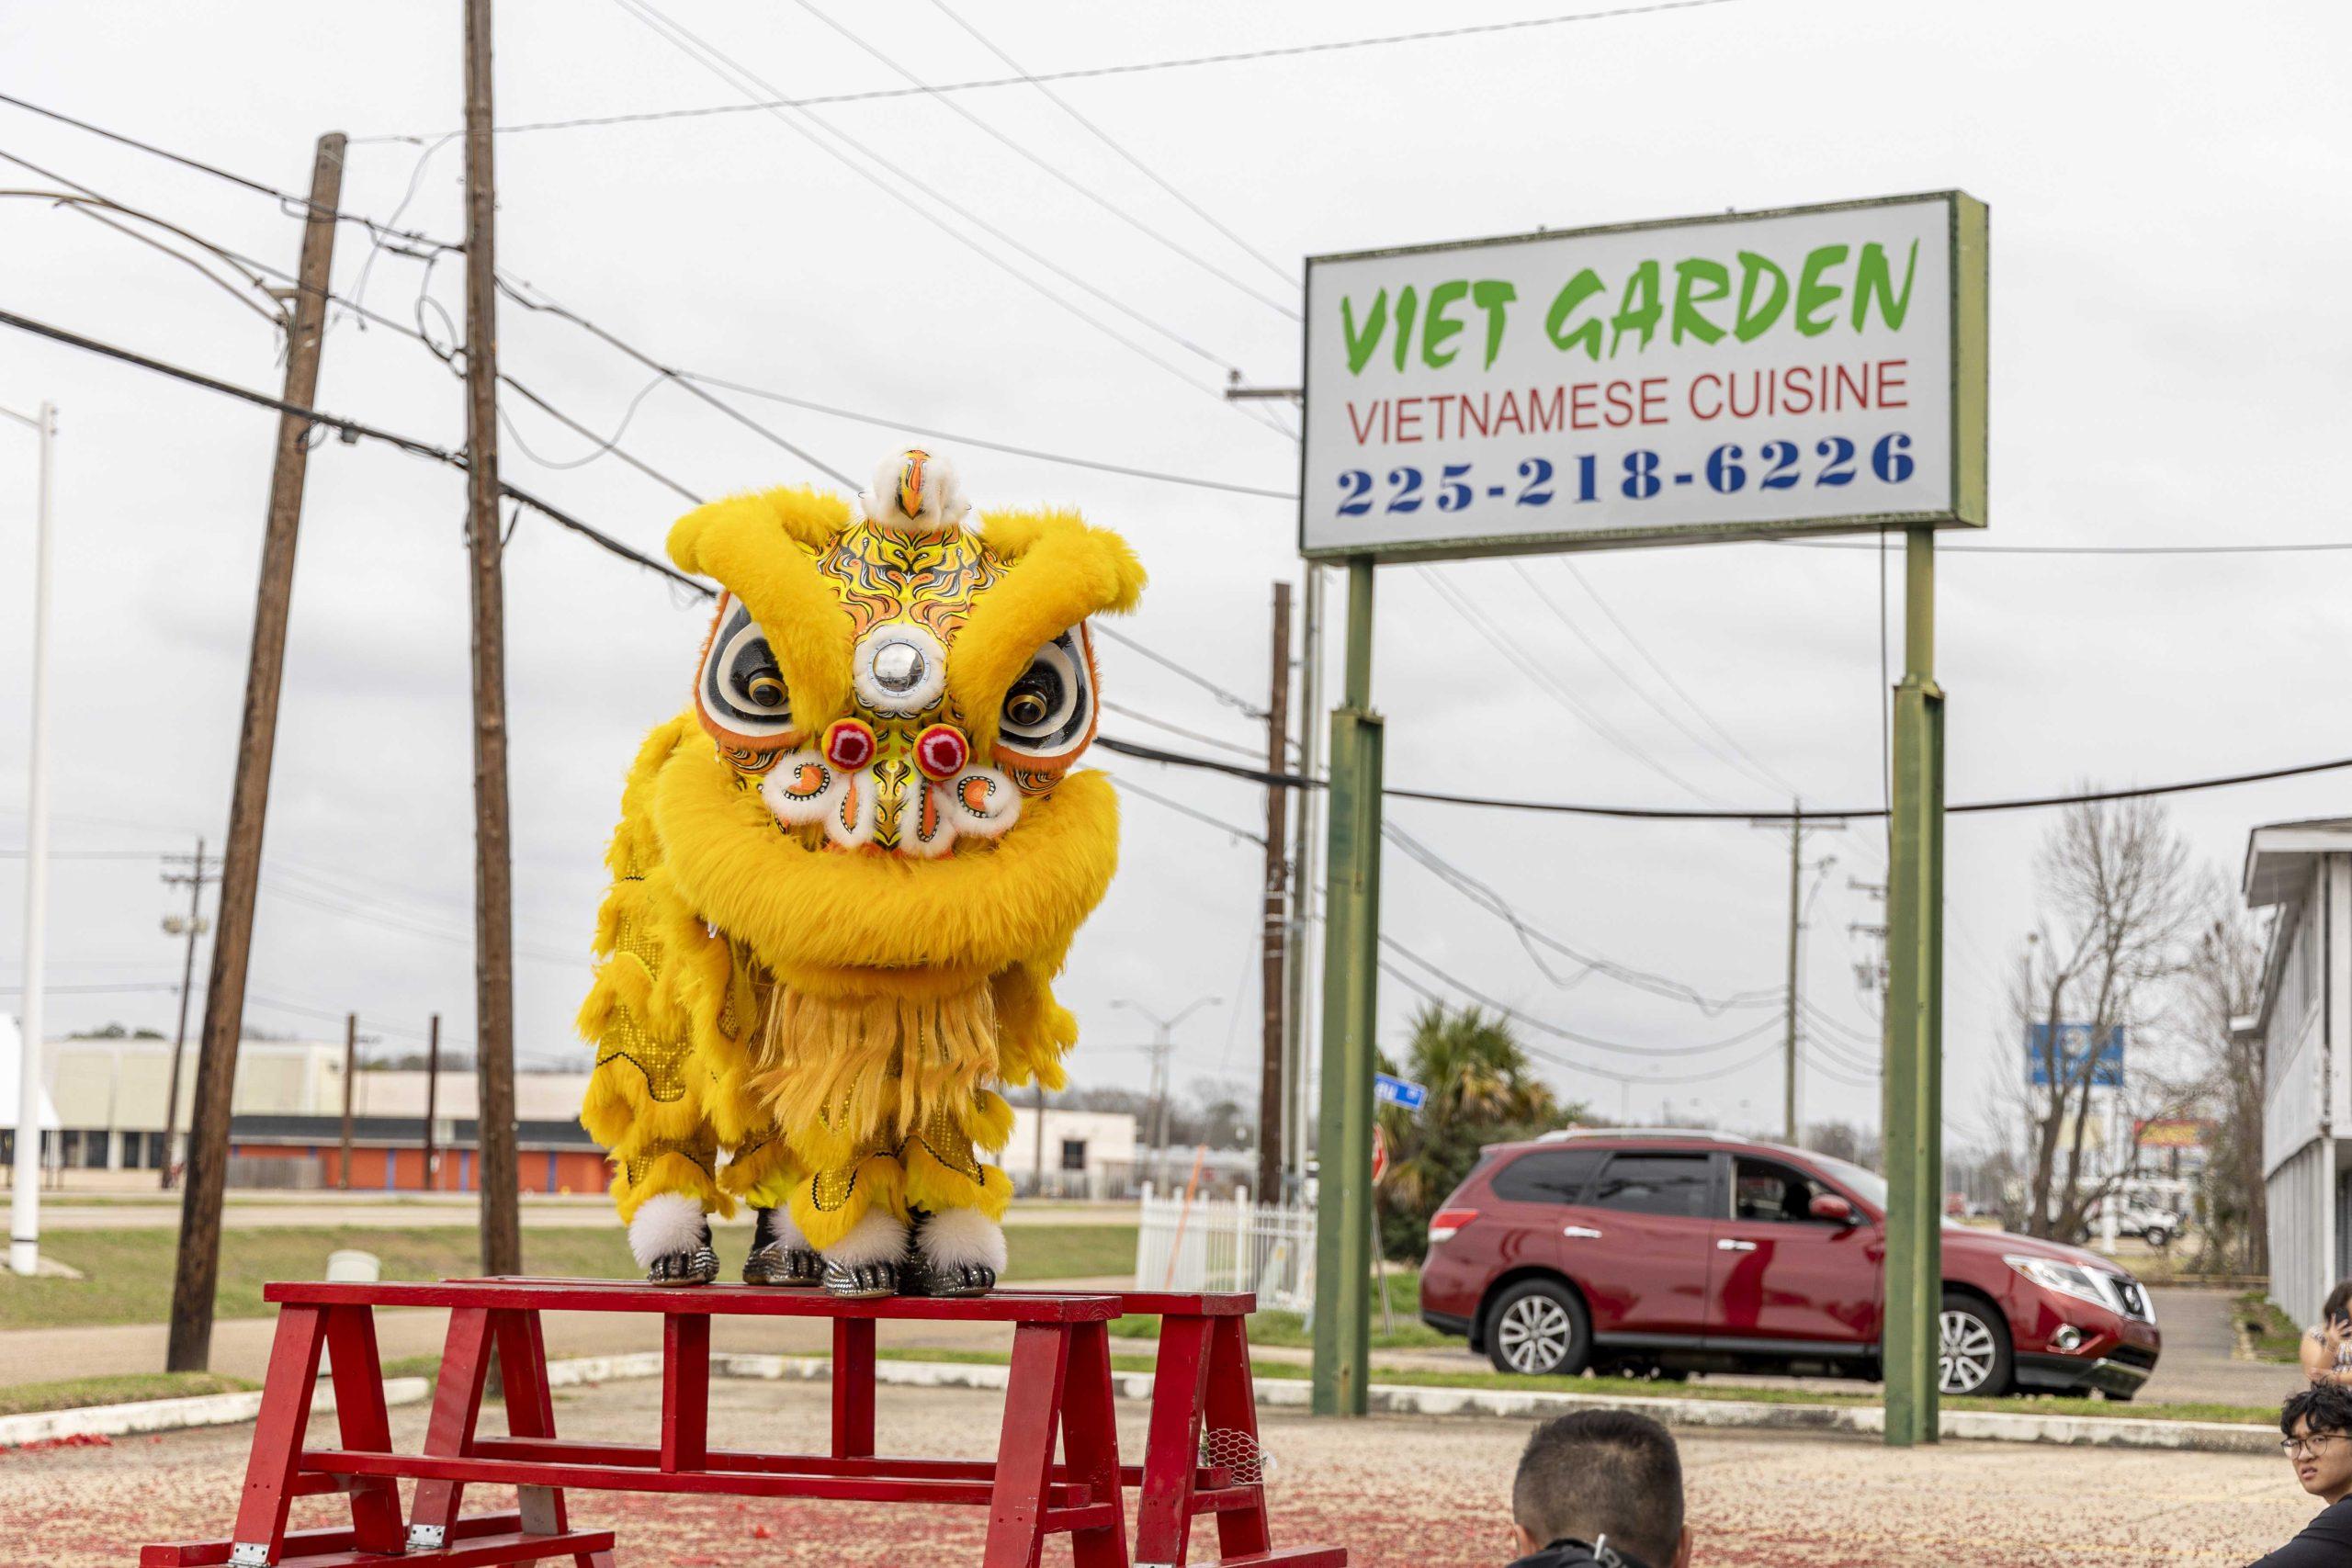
{"x": 1539, "y": 1327}
{"x": 1972, "y": 1349}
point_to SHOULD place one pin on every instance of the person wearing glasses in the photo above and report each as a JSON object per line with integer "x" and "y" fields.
{"x": 2328, "y": 1346}
{"x": 2318, "y": 1443}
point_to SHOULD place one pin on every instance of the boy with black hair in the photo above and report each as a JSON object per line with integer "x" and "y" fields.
{"x": 1600, "y": 1489}
{"x": 2318, "y": 1426}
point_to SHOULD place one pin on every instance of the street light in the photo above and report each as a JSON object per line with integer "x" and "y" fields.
{"x": 1160, "y": 1049}
{"x": 24, "y": 1212}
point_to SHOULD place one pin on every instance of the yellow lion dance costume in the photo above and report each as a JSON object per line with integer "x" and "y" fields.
{"x": 845, "y": 879}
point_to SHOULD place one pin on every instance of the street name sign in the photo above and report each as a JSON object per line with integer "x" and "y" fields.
{"x": 1808, "y": 370}
{"x": 2074, "y": 1045}
{"x": 1390, "y": 1089}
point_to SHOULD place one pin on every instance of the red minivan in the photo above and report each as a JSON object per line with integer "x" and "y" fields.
{"x": 1674, "y": 1252}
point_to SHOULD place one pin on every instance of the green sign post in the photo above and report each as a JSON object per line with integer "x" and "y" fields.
{"x": 1755, "y": 375}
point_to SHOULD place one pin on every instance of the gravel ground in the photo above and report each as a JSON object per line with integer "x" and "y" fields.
{"x": 1423, "y": 1492}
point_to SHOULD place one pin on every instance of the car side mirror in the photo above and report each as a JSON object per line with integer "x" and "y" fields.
{"x": 1831, "y": 1207}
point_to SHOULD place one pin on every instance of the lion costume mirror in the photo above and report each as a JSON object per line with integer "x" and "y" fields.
{"x": 844, "y": 880}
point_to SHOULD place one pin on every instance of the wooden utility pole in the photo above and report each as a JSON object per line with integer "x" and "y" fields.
{"x": 1276, "y": 933}
{"x": 350, "y": 1075}
{"x": 195, "y": 879}
{"x": 501, "y": 1234}
{"x": 432, "y": 1093}
{"x": 198, "y": 1268}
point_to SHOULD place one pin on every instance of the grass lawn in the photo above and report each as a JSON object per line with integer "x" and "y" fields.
{"x": 1289, "y": 1328}
{"x": 2277, "y": 1338}
{"x": 71, "y": 1394}
{"x": 1637, "y": 1388}
{"x": 127, "y": 1273}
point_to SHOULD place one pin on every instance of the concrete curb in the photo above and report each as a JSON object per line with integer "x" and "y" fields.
{"x": 173, "y": 1415}
{"x": 1280, "y": 1393}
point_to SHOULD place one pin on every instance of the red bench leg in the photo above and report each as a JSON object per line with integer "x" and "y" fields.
{"x": 1171, "y": 1448}
{"x": 530, "y": 1413}
{"x": 1231, "y": 1406}
{"x": 1024, "y": 1454}
{"x": 457, "y": 1404}
{"x": 365, "y": 1425}
{"x": 853, "y": 1388}
{"x": 277, "y": 1435}
{"x": 685, "y": 1391}
{"x": 1091, "y": 1446}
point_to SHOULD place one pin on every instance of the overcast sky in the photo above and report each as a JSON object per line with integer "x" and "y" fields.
{"x": 2168, "y": 335}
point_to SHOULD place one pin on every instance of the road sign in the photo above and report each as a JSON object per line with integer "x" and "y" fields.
{"x": 1815, "y": 369}
{"x": 1391, "y": 1091}
{"x": 2074, "y": 1045}
{"x": 1379, "y": 1152}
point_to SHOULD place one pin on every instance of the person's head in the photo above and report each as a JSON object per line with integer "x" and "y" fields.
{"x": 2318, "y": 1426}
{"x": 2337, "y": 1308}
{"x": 1607, "y": 1478}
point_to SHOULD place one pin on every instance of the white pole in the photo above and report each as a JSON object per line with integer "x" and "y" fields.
{"x": 24, "y": 1213}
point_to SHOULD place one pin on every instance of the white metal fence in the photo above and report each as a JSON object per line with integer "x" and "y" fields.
{"x": 1227, "y": 1244}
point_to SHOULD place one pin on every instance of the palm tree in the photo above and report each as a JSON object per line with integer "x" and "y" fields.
{"x": 1482, "y": 1089}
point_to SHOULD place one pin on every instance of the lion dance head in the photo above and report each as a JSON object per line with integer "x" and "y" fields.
{"x": 845, "y": 879}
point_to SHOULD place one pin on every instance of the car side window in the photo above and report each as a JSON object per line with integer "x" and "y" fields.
{"x": 1766, "y": 1190}
{"x": 1548, "y": 1176}
{"x": 1655, "y": 1184}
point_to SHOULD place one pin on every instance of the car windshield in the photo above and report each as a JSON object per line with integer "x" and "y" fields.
{"x": 1869, "y": 1186}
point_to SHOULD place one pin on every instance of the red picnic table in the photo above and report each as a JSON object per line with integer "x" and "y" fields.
{"x": 1059, "y": 1385}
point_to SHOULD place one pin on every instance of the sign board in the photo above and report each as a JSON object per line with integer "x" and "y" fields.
{"x": 2074, "y": 1044}
{"x": 1392, "y": 1090}
{"x": 2173, "y": 1132}
{"x": 1810, "y": 370}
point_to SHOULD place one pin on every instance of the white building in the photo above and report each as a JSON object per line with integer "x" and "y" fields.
{"x": 1088, "y": 1154}
{"x": 2303, "y": 1019}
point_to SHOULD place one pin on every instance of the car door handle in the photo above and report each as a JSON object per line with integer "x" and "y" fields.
{"x": 1580, "y": 1232}
{"x": 1728, "y": 1244}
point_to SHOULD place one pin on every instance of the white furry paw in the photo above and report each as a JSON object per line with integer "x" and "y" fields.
{"x": 670, "y": 1237}
{"x": 961, "y": 1239}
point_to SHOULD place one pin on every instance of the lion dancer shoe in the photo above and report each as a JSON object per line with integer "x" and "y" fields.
{"x": 956, "y": 1252}
{"x": 867, "y": 1262}
{"x": 780, "y": 1253}
{"x": 670, "y": 1239}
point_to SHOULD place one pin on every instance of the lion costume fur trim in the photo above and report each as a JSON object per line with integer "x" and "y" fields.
{"x": 735, "y": 540}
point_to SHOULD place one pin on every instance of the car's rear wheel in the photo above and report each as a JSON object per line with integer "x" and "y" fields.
{"x": 1538, "y": 1326}
{"x": 1972, "y": 1349}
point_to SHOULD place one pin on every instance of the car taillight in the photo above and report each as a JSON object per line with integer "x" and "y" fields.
{"x": 1445, "y": 1221}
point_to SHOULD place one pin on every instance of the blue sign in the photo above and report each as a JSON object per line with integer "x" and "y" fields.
{"x": 2074, "y": 1045}
{"x": 1392, "y": 1090}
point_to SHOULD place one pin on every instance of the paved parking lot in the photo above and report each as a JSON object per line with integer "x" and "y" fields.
{"x": 1426, "y": 1493}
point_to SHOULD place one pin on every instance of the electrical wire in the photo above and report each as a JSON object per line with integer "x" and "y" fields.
{"x": 286, "y": 197}
{"x": 1129, "y": 786}
{"x": 1083, "y": 72}
{"x": 1573, "y": 1036}
{"x": 1680, "y": 814}
{"x": 949, "y": 103}
{"x": 1500, "y": 638}
{"x": 354, "y": 429}
{"x": 1103, "y": 136}
{"x": 1635, "y": 687}
{"x": 1194, "y": 734}
{"x": 1231, "y": 699}
{"x": 726, "y": 68}
{"x": 1772, "y": 775}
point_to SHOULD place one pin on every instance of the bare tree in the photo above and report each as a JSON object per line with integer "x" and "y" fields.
{"x": 2225, "y": 980}
{"x": 2120, "y": 910}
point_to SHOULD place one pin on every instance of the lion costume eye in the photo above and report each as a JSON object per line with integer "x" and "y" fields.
{"x": 1049, "y": 708}
{"x": 743, "y": 688}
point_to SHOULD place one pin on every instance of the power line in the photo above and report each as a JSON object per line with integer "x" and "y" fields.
{"x": 1103, "y": 136}
{"x": 1079, "y": 74}
{"x": 1634, "y": 686}
{"x": 353, "y": 430}
{"x": 1142, "y": 717}
{"x": 1063, "y": 457}
{"x": 1129, "y": 786}
{"x": 1681, "y": 814}
{"x": 302, "y": 205}
{"x": 1666, "y": 675}
{"x": 1089, "y": 193}
{"x": 1231, "y": 699}
{"x": 1742, "y": 1038}
{"x": 720, "y": 64}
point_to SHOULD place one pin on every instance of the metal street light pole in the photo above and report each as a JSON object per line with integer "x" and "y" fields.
{"x": 1162, "y": 1046}
{"x": 24, "y": 1211}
